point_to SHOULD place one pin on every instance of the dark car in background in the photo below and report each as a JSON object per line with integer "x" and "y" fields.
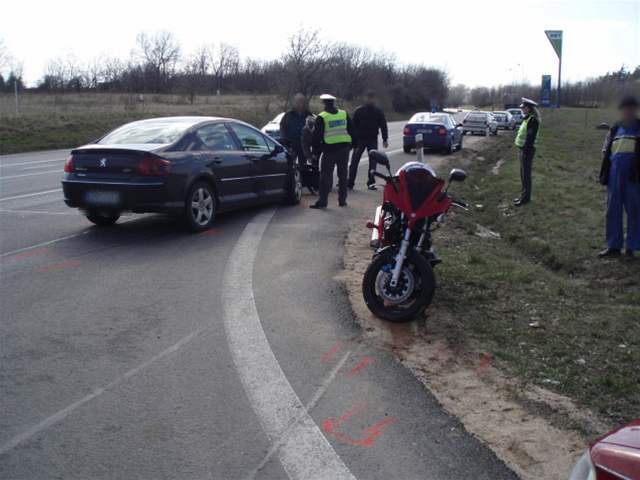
{"x": 439, "y": 131}
{"x": 192, "y": 167}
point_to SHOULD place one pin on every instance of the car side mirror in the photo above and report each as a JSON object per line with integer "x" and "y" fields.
{"x": 459, "y": 125}
{"x": 277, "y": 150}
{"x": 380, "y": 157}
{"x": 457, "y": 175}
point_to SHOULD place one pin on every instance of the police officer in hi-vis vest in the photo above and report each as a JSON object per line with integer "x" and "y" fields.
{"x": 332, "y": 138}
{"x": 526, "y": 141}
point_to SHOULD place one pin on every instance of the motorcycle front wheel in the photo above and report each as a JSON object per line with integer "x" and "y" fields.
{"x": 411, "y": 296}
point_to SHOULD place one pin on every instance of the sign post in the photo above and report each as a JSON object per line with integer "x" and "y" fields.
{"x": 555, "y": 38}
{"x": 545, "y": 91}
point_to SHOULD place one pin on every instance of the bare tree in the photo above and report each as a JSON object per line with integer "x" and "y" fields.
{"x": 350, "y": 65}
{"x": 196, "y": 69}
{"x": 305, "y": 61}
{"x": 224, "y": 60}
{"x": 160, "y": 53}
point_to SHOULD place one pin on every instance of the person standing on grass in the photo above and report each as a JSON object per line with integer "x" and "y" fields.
{"x": 332, "y": 137}
{"x": 620, "y": 172}
{"x": 368, "y": 120}
{"x": 527, "y": 141}
{"x": 292, "y": 124}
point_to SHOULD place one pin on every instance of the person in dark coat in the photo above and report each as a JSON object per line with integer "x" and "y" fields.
{"x": 620, "y": 172}
{"x": 368, "y": 120}
{"x": 332, "y": 138}
{"x": 291, "y": 127}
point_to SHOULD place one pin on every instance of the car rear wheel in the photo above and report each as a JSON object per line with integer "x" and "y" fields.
{"x": 200, "y": 208}
{"x": 102, "y": 219}
{"x": 459, "y": 146}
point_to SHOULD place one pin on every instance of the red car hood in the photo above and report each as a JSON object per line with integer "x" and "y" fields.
{"x": 618, "y": 452}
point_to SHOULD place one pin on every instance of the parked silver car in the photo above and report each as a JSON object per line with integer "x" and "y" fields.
{"x": 505, "y": 120}
{"x": 517, "y": 115}
{"x": 483, "y": 123}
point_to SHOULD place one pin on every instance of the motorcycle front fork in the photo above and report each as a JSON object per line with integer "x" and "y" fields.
{"x": 404, "y": 246}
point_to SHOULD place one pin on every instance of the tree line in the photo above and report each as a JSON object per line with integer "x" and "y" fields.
{"x": 309, "y": 64}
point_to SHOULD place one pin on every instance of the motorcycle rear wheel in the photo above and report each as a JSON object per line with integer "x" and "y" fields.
{"x": 420, "y": 298}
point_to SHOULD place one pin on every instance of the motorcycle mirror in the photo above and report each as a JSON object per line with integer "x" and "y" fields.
{"x": 380, "y": 157}
{"x": 457, "y": 175}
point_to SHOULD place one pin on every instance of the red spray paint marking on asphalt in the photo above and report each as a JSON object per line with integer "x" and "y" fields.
{"x": 327, "y": 357}
{"x": 210, "y": 232}
{"x": 58, "y": 266}
{"x": 368, "y": 436}
{"x": 485, "y": 360}
{"x": 32, "y": 253}
{"x": 359, "y": 367}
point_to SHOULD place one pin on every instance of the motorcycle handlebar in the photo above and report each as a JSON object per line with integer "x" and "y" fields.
{"x": 387, "y": 178}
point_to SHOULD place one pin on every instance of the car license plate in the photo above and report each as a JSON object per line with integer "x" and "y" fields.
{"x": 98, "y": 197}
{"x": 425, "y": 130}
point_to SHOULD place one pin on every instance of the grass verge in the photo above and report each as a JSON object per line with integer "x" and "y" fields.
{"x": 537, "y": 298}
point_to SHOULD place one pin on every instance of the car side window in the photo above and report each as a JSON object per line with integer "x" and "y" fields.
{"x": 250, "y": 139}
{"x": 213, "y": 137}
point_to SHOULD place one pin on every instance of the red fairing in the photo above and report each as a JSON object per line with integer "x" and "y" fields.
{"x": 429, "y": 200}
{"x": 617, "y": 454}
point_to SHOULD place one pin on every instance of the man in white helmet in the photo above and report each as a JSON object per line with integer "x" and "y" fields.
{"x": 332, "y": 138}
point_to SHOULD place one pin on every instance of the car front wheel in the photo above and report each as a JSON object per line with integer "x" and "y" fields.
{"x": 200, "y": 208}
{"x": 294, "y": 187}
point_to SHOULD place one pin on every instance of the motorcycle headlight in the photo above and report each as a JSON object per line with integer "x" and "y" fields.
{"x": 584, "y": 469}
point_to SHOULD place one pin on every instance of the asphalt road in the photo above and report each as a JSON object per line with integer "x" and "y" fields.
{"x": 141, "y": 351}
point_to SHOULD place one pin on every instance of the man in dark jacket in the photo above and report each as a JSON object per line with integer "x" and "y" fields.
{"x": 332, "y": 137}
{"x": 368, "y": 120}
{"x": 620, "y": 172}
{"x": 292, "y": 124}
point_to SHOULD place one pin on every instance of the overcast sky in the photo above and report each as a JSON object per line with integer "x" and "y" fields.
{"x": 476, "y": 42}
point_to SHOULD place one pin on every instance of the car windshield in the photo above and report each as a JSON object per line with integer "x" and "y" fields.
{"x": 428, "y": 118}
{"x": 499, "y": 116}
{"x": 155, "y": 132}
{"x": 420, "y": 118}
{"x": 476, "y": 117}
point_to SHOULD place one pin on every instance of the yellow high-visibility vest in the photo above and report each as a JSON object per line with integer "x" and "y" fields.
{"x": 335, "y": 127}
{"x": 521, "y": 136}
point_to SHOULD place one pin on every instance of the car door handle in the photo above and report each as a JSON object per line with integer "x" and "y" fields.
{"x": 215, "y": 161}
{"x": 253, "y": 158}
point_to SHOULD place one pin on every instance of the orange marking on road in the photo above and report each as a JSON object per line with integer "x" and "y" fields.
{"x": 367, "y": 437}
{"x": 58, "y": 266}
{"x": 359, "y": 367}
{"x": 32, "y": 253}
{"x": 210, "y": 232}
{"x": 327, "y": 357}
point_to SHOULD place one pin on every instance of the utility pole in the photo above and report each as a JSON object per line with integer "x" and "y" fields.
{"x": 15, "y": 91}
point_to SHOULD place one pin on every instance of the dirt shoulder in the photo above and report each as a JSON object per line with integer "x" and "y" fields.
{"x": 487, "y": 371}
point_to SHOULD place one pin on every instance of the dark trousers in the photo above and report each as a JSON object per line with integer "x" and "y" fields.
{"x": 298, "y": 154}
{"x": 370, "y": 144}
{"x": 335, "y": 158}
{"x": 526, "y": 167}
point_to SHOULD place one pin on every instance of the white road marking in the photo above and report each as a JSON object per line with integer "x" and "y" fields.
{"x": 308, "y": 407}
{"x": 42, "y": 212}
{"x": 65, "y": 412}
{"x": 8, "y": 177}
{"x": 27, "y": 195}
{"x": 39, "y": 166}
{"x": 43, "y": 244}
{"x": 366, "y": 157}
{"x": 304, "y": 453}
{"x": 35, "y": 162}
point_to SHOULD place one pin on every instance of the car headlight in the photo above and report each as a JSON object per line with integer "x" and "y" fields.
{"x": 584, "y": 469}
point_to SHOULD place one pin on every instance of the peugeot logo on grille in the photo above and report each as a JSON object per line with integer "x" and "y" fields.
{"x": 103, "y": 162}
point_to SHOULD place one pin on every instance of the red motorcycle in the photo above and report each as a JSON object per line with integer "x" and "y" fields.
{"x": 399, "y": 282}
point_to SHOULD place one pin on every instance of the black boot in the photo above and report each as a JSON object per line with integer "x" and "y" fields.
{"x": 609, "y": 252}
